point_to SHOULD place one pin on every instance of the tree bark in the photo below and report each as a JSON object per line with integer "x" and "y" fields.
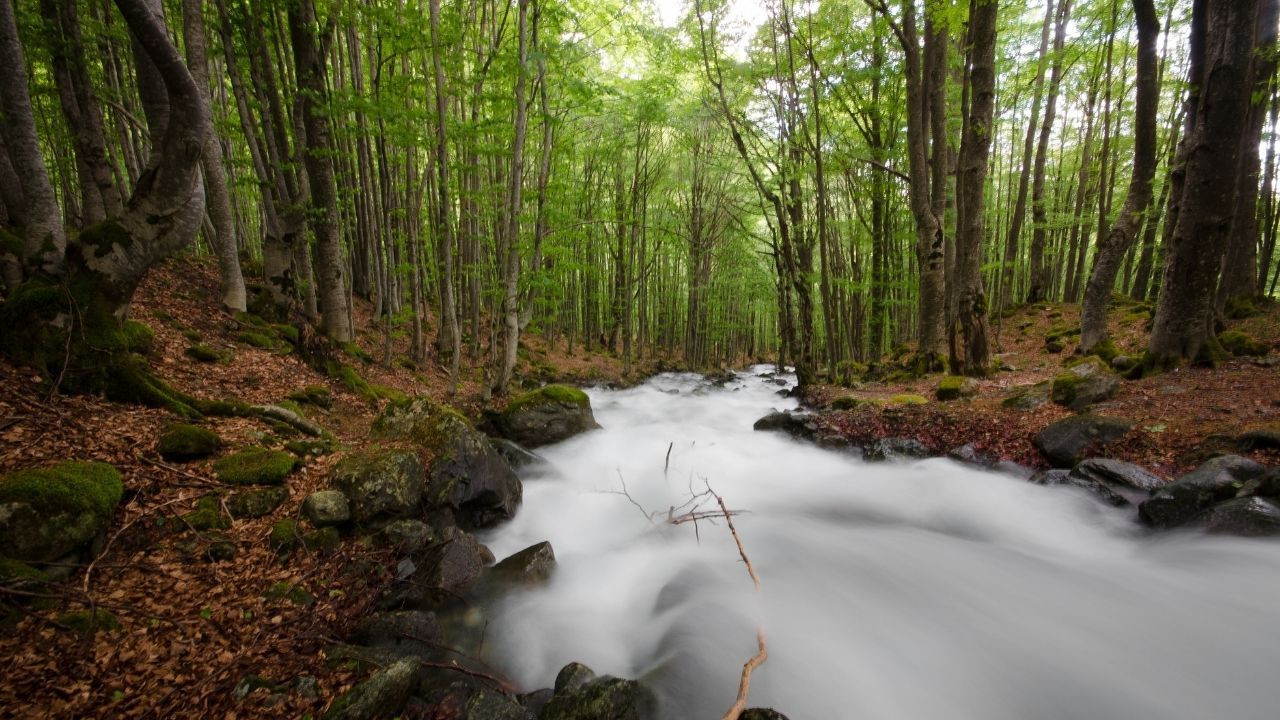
{"x": 451, "y": 340}
{"x": 509, "y": 248}
{"x": 1040, "y": 280}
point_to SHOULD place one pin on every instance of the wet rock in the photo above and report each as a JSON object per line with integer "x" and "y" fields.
{"x": 573, "y": 677}
{"x": 605, "y": 697}
{"x": 531, "y": 566}
{"x": 48, "y": 512}
{"x": 1259, "y": 439}
{"x": 256, "y": 503}
{"x": 1247, "y": 517}
{"x": 1027, "y": 397}
{"x": 409, "y": 535}
{"x": 1083, "y": 384}
{"x": 796, "y": 425}
{"x": 326, "y": 507}
{"x": 516, "y": 456}
{"x": 1218, "y": 479}
{"x": 546, "y": 415}
{"x": 1065, "y": 442}
{"x": 461, "y": 698}
{"x": 535, "y": 701}
{"x": 441, "y": 572}
{"x": 967, "y": 453}
{"x": 1266, "y": 485}
{"x": 382, "y": 695}
{"x": 895, "y": 448}
{"x": 1066, "y": 477}
{"x": 380, "y": 484}
{"x": 407, "y": 632}
{"x": 1119, "y": 473}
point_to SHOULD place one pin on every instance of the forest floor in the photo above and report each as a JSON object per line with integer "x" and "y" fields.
{"x": 1181, "y": 417}
{"x": 195, "y": 634}
{"x": 192, "y": 630}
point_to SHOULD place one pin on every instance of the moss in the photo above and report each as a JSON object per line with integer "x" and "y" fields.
{"x": 293, "y": 407}
{"x": 288, "y": 333}
{"x": 1065, "y": 385}
{"x": 348, "y": 376}
{"x": 181, "y": 442}
{"x": 207, "y": 515}
{"x": 87, "y": 622}
{"x": 848, "y": 372}
{"x": 908, "y": 399}
{"x": 256, "y": 503}
{"x": 224, "y": 408}
{"x": 290, "y": 592}
{"x": 256, "y": 339}
{"x": 284, "y": 537}
{"x": 357, "y": 352}
{"x": 851, "y": 402}
{"x": 11, "y": 244}
{"x": 68, "y": 487}
{"x": 384, "y": 392}
{"x": 1238, "y": 308}
{"x": 1240, "y": 344}
{"x": 102, "y": 238}
{"x": 305, "y": 448}
{"x": 951, "y": 387}
{"x": 549, "y": 394}
{"x": 204, "y": 353}
{"x": 1106, "y": 350}
{"x": 17, "y": 574}
{"x": 317, "y": 395}
{"x": 322, "y": 540}
{"x": 192, "y": 335}
{"x": 138, "y": 337}
{"x": 255, "y": 466}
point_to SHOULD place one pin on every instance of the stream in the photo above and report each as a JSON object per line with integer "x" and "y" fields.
{"x": 913, "y": 590}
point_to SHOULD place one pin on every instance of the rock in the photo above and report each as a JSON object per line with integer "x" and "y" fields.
{"x": 462, "y": 698}
{"x": 290, "y": 592}
{"x": 1027, "y": 397}
{"x": 256, "y": 503}
{"x": 17, "y": 575}
{"x": 895, "y": 448}
{"x": 1119, "y": 473}
{"x": 441, "y": 572}
{"x": 181, "y": 442}
{"x": 606, "y": 697}
{"x": 284, "y": 537}
{"x": 1218, "y": 479}
{"x": 1123, "y": 363}
{"x": 546, "y": 415}
{"x": 220, "y": 547}
{"x": 207, "y": 515}
{"x": 761, "y": 714}
{"x": 531, "y": 566}
{"x": 953, "y": 387}
{"x": 88, "y": 622}
{"x": 535, "y": 701}
{"x": 380, "y": 484}
{"x": 1259, "y": 439}
{"x": 1265, "y": 485}
{"x": 1247, "y": 517}
{"x": 797, "y": 425}
{"x": 573, "y": 677}
{"x": 326, "y": 507}
{"x": 255, "y": 466}
{"x": 967, "y": 454}
{"x": 1093, "y": 485}
{"x": 1065, "y": 442}
{"x": 322, "y": 540}
{"x": 1083, "y": 384}
{"x": 468, "y": 475}
{"x": 382, "y": 695}
{"x": 407, "y": 632}
{"x": 48, "y": 512}
{"x": 409, "y": 535}
{"x": 516, "y": 456}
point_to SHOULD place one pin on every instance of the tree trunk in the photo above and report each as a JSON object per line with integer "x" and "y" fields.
{"x": 509, "y": 248}
{"x": 1040, "y": 279}
{"x": 450, "y": 340}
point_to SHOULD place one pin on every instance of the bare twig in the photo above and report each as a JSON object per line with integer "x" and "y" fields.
{"x": 762, "y": 651}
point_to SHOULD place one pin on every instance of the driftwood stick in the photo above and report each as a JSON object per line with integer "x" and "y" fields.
{"x": 762, "y": 653}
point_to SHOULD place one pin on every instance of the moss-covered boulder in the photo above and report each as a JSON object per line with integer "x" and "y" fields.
{"x": 256, "y": 503}
{"x": 853, "y": 402}
{"x": 905, "y": 399}
{"x": 255, "y": 466}
{"x": 1027, "y": 397}
{"x": 284, "y": 537}
{"x": 326, "y": 507}
{"x": 603, "y": 697}
{"x": 441, "y": 572}
{"x": 531, "y": 566}
{"x": 546, "y": 415}
{"x": 205, "y": 354}
{"x": 181, "y": 442}
{"x": 1241, "y": 344}
{"x": 381, "y": 696}
{"x": 207, "y": 515}
{"x": 380, "y": 484}
{"x": 1084, "y": 383}
{"x": 954, "y": 387}
{"x": 317, "y": 395}
{"x": 48, "y": 512}
{"x": 18, "y": 575}
{"x": 468, "y": 475}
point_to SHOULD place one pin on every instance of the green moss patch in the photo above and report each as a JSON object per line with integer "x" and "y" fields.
{"x": 87, "y": 622}
{"x": 1241, "y": 344}
{"x": 255, "y": 466}
{"x": 284, "y": 537}
{"x": 317, "y": 395}
{"x": 256, "y": 503}
{"x": 348, "y": 376}
{"x": 952, "y": 387}
{"x": 908, "y": 399}
{"x": 256, "y": 339}
{"x": 207, "y": 515}
{"x": 181, "y": 442}
{"x": 852, "y": 402}
{"x": 17, "y": 574}
{"x": 357, "y": 352}
{"x": 549, "y": 394}
{"x": 69, "y": 487}
{"x": 289, "y": 592}
{"x": 205, "y": 354}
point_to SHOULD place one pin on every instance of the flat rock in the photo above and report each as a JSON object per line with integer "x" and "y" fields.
{"x": 1247, "y": 517}
{"x": 1065, "y": 442}
{"x": 1220, "y": 478}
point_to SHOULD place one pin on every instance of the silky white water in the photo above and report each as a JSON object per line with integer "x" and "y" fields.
{"x": 916, "y": 591}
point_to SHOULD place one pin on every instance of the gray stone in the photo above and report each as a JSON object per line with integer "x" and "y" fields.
{"x": 895, "y": 448}
{"x": 326, "y": 507}
{"x": 796, "y": 425}
{"x": 381, "y": 696}
{"x": 408, "y": 632}
{"x": 409, "y": 535}
{"x": 606, "y": 697}
{"x": 1065, "y": 442}
{"x": 380, "y": 484}
{"x": 1218, "y": 479}
{"x": 256, "y": 503}
{"x": 547, "y": 415}
{"x": 516, "y": 456}
{"x": 531, "y": 566}
{"x": 1247, "y": 517}
{"x": 1066, "y": 477}
{"x": 1083, "y": 384}
{"x": 1027, "y": 397}
{"x": 1119, "y": 473}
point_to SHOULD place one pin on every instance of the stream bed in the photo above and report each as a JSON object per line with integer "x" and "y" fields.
{"x": 913, "y": 590}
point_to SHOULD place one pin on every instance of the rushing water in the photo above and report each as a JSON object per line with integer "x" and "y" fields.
{"x": 920, "y": 591}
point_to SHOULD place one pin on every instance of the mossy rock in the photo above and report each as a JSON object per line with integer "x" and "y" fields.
{"x": 256, "y": 503}
{"x": 1027, "y": 397}
{"x": 1241, "y": 344}
{"x": 181, "y": 442}
{"x": 284, "y": 537}
{"x": 852, "y": 402}
{"x": 324, "y": 539}
{"x": 547, "y": 415}
{"x": 348, "y": 376}
{"x": 380, "y": 484}
{"x": 309, "y": 448}
{"x": 205, "y": 354}
{"x": 908, "y": 399}
{"x": 953, "y": 387}
{"x": 291, "y": 592}
{"x": 138, "y": 337}
{"x": 317, "y": 395}
{"x": 288, "y": 333}
{"x": 385, "y": 392}
{"x": 1239, "y": 308}
{"x": 255, "y": 466}
{"x": 1106, "y": 350}
{"x": 1083, "y": 383}
{"x": 357, "y": 352}
{"x": 18, "y": 575}
{"x": 54, "y": 510}
{"x": 207, "y": 515}
{"x": 88, "y": 622}
{"x": 256, "y": 339}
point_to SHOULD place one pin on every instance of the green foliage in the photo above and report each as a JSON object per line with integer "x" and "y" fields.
{"x": 205, "y": 354}
{"x": 908, "y": 399}
{"x": 70, "y": 487}
{"x": 181, "y": 442}
{"x": 1241, "y": 344}
{"x": 255, "y": 466}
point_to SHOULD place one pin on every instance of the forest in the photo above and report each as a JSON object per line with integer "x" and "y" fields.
{"x": 300, "y": 294}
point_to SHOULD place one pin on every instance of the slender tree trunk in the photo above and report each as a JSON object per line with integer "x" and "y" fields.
{"x": 450, "y": 337}
{"x": 509, "y": 256}
{"x": 1040, "y": 280}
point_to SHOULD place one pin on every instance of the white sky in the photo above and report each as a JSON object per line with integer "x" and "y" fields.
{"x": 743, "y": 18}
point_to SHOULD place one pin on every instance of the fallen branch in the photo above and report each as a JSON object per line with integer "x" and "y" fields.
{"x": 762, "y": 653}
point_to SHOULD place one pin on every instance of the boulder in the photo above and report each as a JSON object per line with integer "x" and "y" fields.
{"x": 1059, "y": 476}
{"x": 48, "y": 512}
{"x": 968, "y": 454}
{"x": 895, "y": 448}
{"x": 797, "y": 425}
{"x": 380, "y": 484}
{"x": 1220, "y": 478}
{"x": 531, "y": 566}
{"x": 761, "y": 714}
{"x": 1065, "y": 442}
{"x": 408, "y": 535}
{"x": 953, "y": 387}
{"x": 1088, "y": 381}
{"x": 1265, "y": 485}
{"x": 516, "y": 456}
{"x": 605, "y": 697}
{"x": 439, "y": 573}
{"x": 255, "y": 466}
{"x": 181, "y": 442}
{"x": 459, "y": 697}
{"x": 1131, "y": 482}
{"x": 256, "y": 503}
{"x": 381, "y": 696}
{"x": 1247, "y": 517}
{"x": 1027, "y": 397}
{"x": 1259, "y": 439}
{"x": 326, "y": 507}
{"x": 406, "y": 632}
{"x": 573, "y": 677}
{"x": 546, "y": 415}
{"x": 467, "y": 475}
